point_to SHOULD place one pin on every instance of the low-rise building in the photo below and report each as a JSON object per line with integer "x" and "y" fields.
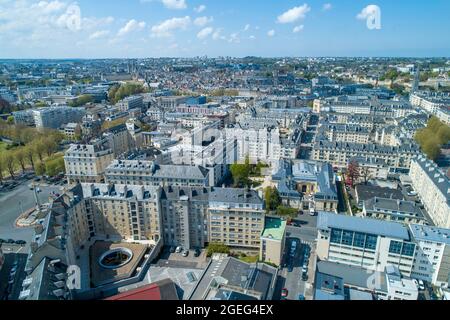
{"x": 273, "y": 239}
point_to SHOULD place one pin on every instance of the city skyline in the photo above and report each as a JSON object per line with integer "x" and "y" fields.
{"x": 188, "y": 28}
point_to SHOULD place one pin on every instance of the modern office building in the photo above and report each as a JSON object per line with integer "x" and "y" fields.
{"x": 368, "y": 243}
{"x": 418, "y": 251}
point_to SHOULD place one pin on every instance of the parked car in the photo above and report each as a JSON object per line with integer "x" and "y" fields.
{"x": 21, "y": 242}
{"x": 312, "y": 212}
{"x": 178, "y": 249}
{"x": 304, "y": 277}
{"x": 284, "y": 293}
{"x": 421, "y": 285}
{"x": 172, "y": 249}
{"x": 197, "y": 253}
{"x": 10, "y": 241}
{"x": 305, "y": 269}
{"x": 185, "y": 253}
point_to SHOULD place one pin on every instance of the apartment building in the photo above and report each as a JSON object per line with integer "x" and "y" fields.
{"x": 433, "y": 188}
{"x": 432, "y": 260}
{"x": 87, "y": 163}
{"x": 267, "y": 144}
{"x": 138, "y": 172}
{"x": 49, "y": 117}
{"x": 236, "y": 218}
{"x": 189, "y": 217}
{"x": 345, "y": 133}
{"x": 132, "y": 102}
{"x": 431, "y": 103}
{"x": 339, "y": 153}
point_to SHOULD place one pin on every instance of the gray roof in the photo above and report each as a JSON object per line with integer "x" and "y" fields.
{"x": 393, "y": 206}
{"x": 366, "y": 192}
{"x": 326, "y": 221}
{"x": 351, "y": 275}
{"x": 428, "y": 233}
{"x": 328, "y": 287}
{"x": 441, "y": 180}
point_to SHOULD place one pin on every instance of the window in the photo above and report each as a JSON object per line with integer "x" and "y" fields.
{"x": 395, "y": 247}
{"x": 408, "y": 249}
{"x": 336, "y": 235}
{"x": 347, "y": 238}
{"x": 359, "y": 240}
{"x": 371, "y": 242}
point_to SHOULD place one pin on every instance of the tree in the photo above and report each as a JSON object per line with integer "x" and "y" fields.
{"x": 365, "y": 174}
{"x": 241, "y": 173}
{"x": 39, "y": 149}
{"x": 10, "y": 163}
{"x": 352, "y": 173}
{"x": 272, "y": 198}
{"x": 82, "y": 100}
{"x": 40, "y": 169}
{"x": 21, "y": 158}
{"x": 29, "y": 153}
{"x": 54, "y": 166}
{"x": 2, "y": 167}
{"x": 50, "y": 146}
{"x": 217, "y": 248}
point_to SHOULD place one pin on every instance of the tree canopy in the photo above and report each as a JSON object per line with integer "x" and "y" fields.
{"x": 433, "y": 137}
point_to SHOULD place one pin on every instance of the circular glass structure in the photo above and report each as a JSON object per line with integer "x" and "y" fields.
{"x": 115, "y": 258}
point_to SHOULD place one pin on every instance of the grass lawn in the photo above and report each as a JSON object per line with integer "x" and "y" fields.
{"x": 249, "y": 259}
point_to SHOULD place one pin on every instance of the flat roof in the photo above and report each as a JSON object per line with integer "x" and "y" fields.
{"x": 326, "y": 221}
{"x": 429, "y": 233}
{"x": 274, "y": 228}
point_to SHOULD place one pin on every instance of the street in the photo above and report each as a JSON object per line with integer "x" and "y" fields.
{"x": 13, "y": 203}
{"x": 290, "y": 276}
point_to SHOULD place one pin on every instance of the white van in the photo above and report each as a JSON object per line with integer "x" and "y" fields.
{"x": 312, "y": 212}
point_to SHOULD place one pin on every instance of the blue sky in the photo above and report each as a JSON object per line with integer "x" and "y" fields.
{"x": 187, "y": 28}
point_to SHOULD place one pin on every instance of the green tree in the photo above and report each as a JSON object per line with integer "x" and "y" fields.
{"x": 40, "y": 169}
{"x": 272, "y": 198}
{"x": 214, "y": 247}
{"x": 29, "y": 153}
{"x": 21, "y": 158}
{"x": 82, "y": 100}
{"x": 241, "y": 173}
{"x": 10, "y": 162}
{"x": 54, "y": 166}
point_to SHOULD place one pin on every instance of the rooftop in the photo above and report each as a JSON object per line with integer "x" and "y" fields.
{"x": 274, "y": 228}
{"x": 326, "y": 221}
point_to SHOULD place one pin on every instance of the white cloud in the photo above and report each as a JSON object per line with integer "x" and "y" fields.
{"x": 131, "y": 26}
{"x": 247, "y": 27}
{"x": 294, "y": 14}
{"x": 367, "y": 12}
{"x": 175, "y": 4}
{"x": 216, "y": 35}
{"x": 298, "y": 28}
{"x": 98, "y": 34}
{"x": 200, "y": 8}
{"x": 165, "y": 28}
{"x": 271, "y": 33}
{"x": 204, "y": 33}
{"x": 327, "y": 6}
{"x": 252, "y": 37}
{"x": 203, "y": 21}
{"x": 234, "y": 38}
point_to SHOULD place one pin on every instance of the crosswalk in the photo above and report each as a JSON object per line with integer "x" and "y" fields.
{"x": 308, "y": 243}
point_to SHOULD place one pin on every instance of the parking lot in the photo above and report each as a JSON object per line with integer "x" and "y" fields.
{"x": 177, "y": 260}
{"x": 12, "y": 273}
